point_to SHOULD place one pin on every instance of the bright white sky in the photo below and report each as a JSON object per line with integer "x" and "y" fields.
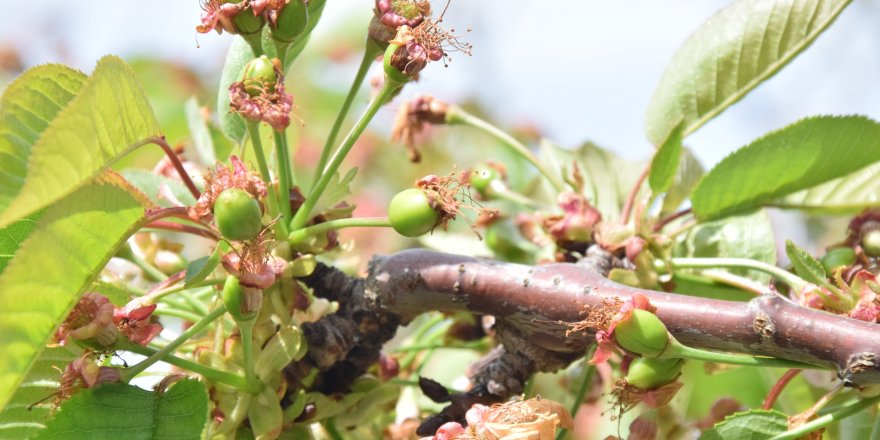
{"x": 579, "y": 70}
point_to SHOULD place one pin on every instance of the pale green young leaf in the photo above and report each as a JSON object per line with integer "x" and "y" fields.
{"x": 690, "y": 171}
{"x": 805, "y": 265}
{"x": 231, "y": 123}
{"x": 202, "y": 141}
{"x": 608, "y": 178}
{"x": 12, "y": 236}
{"x": 109, "y": 117}
{"x": 157, "y": 187}
{"x": 31, "y": 406}
{"x": 665, "y": 162}
{"x": 130, "y": 412}
{"x": 28, "y": 105}
{"x": 730, "y": 54}
{"x": 756, "y": 424}
{"x": 803, "y": 155}
{"x": 200, "y": 269}
{"x": 747, "y": 235}
{"x": 71, "y": 242}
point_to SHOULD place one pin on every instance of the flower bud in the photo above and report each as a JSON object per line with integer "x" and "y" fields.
{"x": 650, "y": 373}
{"x": 642, "y": 333}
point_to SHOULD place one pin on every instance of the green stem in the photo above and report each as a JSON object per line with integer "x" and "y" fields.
{"x": 274, "y": 202}
{"x": 246, "y": 328}
{"x": 149, "y": 270}
{"x": 783, "y": 275}
{"x": 303, "y": 214}
{"x": 371, "y": 51}
{"x": 473, "y": 345}
{"x": 875, "y": 431}
{"x": 844, "y": 411}
{"x": 225, "y": 377}
{"x": 589, "y": 371}
{"x": 301, "y": 235}
{"x": 332, "y": 431}
{"x": 676, "y": 349}
{"x": 159, "y": 355}
{"x": 177, "y": 313}
{"x": 457, "y": 115}
{"x": 196, "y": 305}
{"x": 285, "y": 174}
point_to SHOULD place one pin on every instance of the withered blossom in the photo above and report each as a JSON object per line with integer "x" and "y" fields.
{"x": 223, "y": 178}
{"x": 413, "y": 118}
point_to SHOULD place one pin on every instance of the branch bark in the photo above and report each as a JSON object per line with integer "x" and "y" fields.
{"x": 533, "y": 304}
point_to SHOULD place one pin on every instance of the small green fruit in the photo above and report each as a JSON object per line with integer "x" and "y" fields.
{"x": 233, "y": 299}
{"x": 411, "y": 214}
{"x": 259, "y": 75}
{"x": 650, "y": 373}
{"x": 292, "y": 22}
{"x": 392, "y": 73}
{"x": 482, "y": 178}
{"x": 871, "y": 242}
{"x": 237, "y": 214}
{"x": 837, "y": 258}
{"x": 643, "y": 333}
{"x": 246, "y": 23}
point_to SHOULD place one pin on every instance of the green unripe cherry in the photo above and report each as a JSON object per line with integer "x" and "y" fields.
{"x": 643, "y": 333}
{"x": 292, "y": 22}
{"x": 410, "y": 213}
{"x": 233, "y": 299}
{"x": 650, "y": 373}
{"x": 871, "y": 242}
{"x": 246, "y": 23}
{"x": 237, "y": 214}
{"x": 482, "y": 178}
{"x": 258, "y": 75}
{"x": 837, "y": 258}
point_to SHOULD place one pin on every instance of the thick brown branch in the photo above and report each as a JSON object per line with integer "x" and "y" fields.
{"x": 537, "y": 301}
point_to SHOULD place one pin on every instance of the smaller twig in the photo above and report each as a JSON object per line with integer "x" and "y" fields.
{"x": 178, "y": 227}
{"x": 778, "y": 387}
{"x": 172, "y": 156}
{"x": 631, "y": 198}
{"x": 671, "y": 218}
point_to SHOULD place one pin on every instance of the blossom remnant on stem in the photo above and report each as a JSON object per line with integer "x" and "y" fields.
{"x": 413, "y": 118}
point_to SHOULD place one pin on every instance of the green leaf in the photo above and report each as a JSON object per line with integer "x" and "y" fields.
{"x": 116, "y": 410}
{"x": 118, "y": 294}
{"x": 690, "y": 171}
{"x": 12, "y": 236}
{"x": 608, "y": 177}
{"x": 750, "y": 425}
{"x": 109, "y": 117}
{"x": 665, "y": 162}
{"x": 748, "y": 235}
{"x": 198, "y": 270}
{"x": 72, "y": 241}
{"x": 151, "y": 184}
{"x": 805, "y": 154}
{"x": 239, "y": 54}
{"x": 29, "y": 409}
{"x": 805, "y": 265}
{"x": 28, "y": 106}
{"x": 847, "y": 195}
{"x": 337, "y": 191}
{"x": 199, "y": 132}
{"x": 735, "y": 50}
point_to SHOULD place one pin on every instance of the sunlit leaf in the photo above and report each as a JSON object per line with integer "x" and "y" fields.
{"x": 12, "y": 236}
{"x": 690, "y": 171}
{"x": 665, "y": 162}
{"x": 132, "y": 413}
{"x": 31, "y": 406}
{"x": 71, "y": 242}
{"x": 805, "y": 154}
{"x": 109, "y": 117}
{"x": 735, "y": 50}
{"x": 805, "y": 265}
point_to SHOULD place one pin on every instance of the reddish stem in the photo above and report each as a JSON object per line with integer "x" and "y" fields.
{"x": 160, "y": 213}
{"x": 178, "y": 227}
{"x": 172, "y": 156}
{"x": 631, "y": 198}
{"x": 671, "y": 218}
{"x": 168, "y": 282}
{"x": 778, "y": 387}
